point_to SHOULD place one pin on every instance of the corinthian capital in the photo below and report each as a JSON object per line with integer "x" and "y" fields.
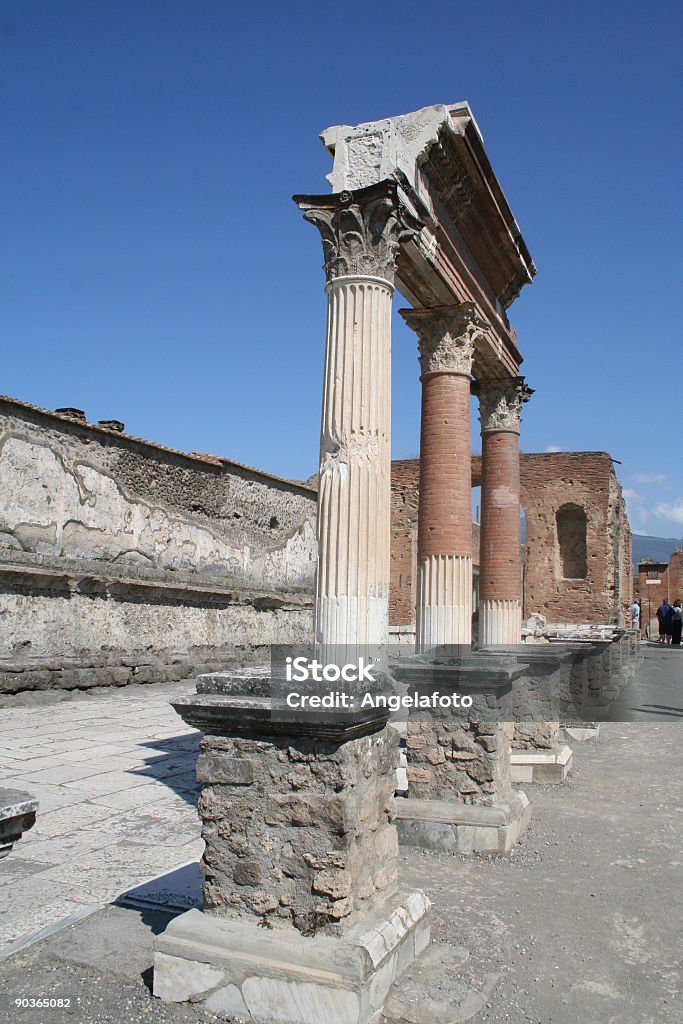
{"x": 446, "y": 336}
{"x": 361, "y": 231}
{"x": 500, "y": 403}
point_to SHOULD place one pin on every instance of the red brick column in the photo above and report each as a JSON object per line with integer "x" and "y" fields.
{"x": 500, "y": 562}
{"x": 447, "y": 336}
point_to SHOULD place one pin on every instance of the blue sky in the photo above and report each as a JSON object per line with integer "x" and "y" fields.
{"x": 155, "y": 269}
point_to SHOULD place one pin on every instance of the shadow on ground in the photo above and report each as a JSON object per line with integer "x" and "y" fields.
{"x": 175, "y": 764}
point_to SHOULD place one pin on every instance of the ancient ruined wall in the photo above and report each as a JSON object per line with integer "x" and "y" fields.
{"x": 578, "y": 544}
{"x": 577, "y": 538}
{"x": 112, "y": 547}
{"x": 676, "y": 576}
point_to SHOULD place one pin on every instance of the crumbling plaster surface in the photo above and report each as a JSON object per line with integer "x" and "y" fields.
{"x": 116, "y": 553}
{"x": 66, "y": 493}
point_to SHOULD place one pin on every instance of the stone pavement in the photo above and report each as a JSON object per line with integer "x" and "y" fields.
{"x": 115, "y": 780}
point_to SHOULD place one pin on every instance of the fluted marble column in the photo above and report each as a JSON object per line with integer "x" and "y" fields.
{"x": 500, "y": 562}
{"x": 361, "y": 233}
{"x": 447, "y": 336}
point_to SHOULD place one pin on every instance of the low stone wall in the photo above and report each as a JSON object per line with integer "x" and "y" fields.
{"x": 73, "y": 624}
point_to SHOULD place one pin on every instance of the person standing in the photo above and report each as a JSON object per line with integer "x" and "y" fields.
{"x": 663, "y": 614}
{"x": 677, "y": 623}
{"x": 635, "y": 615}
{"x": 668, "y": 619}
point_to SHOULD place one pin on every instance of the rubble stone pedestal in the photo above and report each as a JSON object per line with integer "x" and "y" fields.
{"x": 460, "y": 796}
{"x": 303, "y": 920}
{"x": 538, "y": 755}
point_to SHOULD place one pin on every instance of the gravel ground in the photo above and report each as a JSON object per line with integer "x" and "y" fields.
{"x": 581, "y": 924}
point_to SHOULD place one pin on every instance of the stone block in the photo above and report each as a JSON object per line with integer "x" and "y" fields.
{"x": 463, "y": 828}
{"x": 541, "y": 766}
{"x": 177, "y": 979}
{"x": 17, "y": 815}
{"x": 278, "y": 977}
{"x": 224, "y": 770}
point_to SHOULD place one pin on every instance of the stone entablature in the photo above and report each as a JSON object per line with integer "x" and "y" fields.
{"x": 470, "y": 248}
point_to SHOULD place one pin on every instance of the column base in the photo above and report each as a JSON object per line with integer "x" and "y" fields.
{"x": 463, "y": 828}
{"x": 444, "y": 602}
{"x": 546, "y": 766}
{"x": 500, "y": 622}
{"x": 280, "y": 976}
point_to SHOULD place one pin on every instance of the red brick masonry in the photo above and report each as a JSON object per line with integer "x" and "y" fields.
{"x": 548, "y": 481}
{"x": 500, "y": 563}
{"x": 445, "y": 520}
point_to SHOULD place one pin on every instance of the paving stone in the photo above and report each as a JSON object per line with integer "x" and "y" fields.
{"x": 59, "y": 757}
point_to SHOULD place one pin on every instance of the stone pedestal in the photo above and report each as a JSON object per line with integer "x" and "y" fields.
{"x": 585, "y": 702}
{"x": 303, "y": 919}
{"x": 537, "y": 752}
{"x": 500, "y": 563}
{"x": 460, "y": 795}
{"x": 17, "y": 815}
{"x": 447, "y": 336}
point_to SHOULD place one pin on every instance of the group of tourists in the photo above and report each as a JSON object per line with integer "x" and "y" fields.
{"x": 669, "y": 617}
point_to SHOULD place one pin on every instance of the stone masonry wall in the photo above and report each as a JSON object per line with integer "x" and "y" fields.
{"x": 114, "y": 550}
{"x": 447, "y": 760}
{"x": 298, "y": 832}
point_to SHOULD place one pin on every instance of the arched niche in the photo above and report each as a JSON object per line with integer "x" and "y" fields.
{"x": 572, "y": 525}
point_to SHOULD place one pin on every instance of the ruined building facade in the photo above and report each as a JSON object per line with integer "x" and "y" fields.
{"x": 577, "y": 555}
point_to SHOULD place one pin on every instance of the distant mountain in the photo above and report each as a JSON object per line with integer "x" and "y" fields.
{"x": 657, "y": 548}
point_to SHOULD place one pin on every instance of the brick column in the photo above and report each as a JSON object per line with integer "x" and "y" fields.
{"x": 500, "y": 563}
{"x": 447, "y": 336}
{"x": 361, "y": 233}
